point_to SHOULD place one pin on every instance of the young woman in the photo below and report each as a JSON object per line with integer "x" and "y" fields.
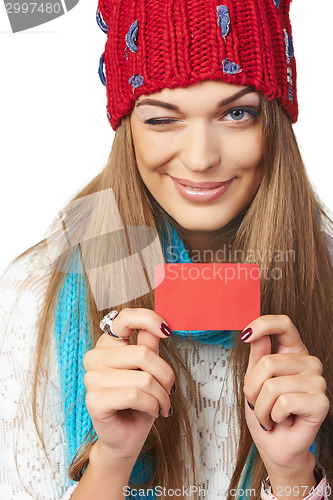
{"x": 204, "y": 167}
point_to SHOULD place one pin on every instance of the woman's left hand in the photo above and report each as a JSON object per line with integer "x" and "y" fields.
{"x": 287, "y": 391}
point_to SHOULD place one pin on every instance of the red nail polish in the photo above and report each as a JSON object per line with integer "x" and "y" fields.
{"x": 165, "y": 329}
{"x": 246, "y": 334}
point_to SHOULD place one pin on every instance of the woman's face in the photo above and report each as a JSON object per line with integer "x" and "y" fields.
{"x": 189, "y": 134}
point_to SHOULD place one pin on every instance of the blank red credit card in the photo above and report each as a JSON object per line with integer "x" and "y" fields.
{"x": 207, "y": 296}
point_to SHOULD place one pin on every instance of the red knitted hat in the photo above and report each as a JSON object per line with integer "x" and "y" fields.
{"x": 156, "y": 44}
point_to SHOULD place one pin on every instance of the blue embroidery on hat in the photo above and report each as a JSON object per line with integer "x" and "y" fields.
{"x": 104, "y": 27}
{"x": 290, "y": 93}
{"x": 277, "y": 3}
{"x": 136, "y": 80}
{"x": 223, "y": 19}
{"x": 289, "y": 46}
{"x": 100, "y": 70}
{"x": 131, "y": 37}
{"x": 289, "y": 76}
{"x": 107, "y": 113}
{"x": 230, "y": 67}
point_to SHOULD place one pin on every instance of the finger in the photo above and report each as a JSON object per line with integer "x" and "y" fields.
{"x": 102, "y": 404}
{"x": 273, "y": 388}
{"x": 268, "y": 424}
{"x": 131, "y": 357}
{"x": 269, "y": 367}
{"x": 313, "y": 409}
{"x": 151, "y": 326}
{"x": 95, "y": 380}
{"x": 258, "y": 348}
{"x": 257, "y": 334}
{"x": 280, "y": 325}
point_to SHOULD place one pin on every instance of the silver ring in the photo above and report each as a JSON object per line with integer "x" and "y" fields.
{"x": 106, "y": 324}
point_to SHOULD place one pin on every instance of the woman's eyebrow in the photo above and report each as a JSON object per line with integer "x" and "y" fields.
{"x": 173, "y": 107}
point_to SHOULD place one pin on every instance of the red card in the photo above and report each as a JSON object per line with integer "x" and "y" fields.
{"x": 207, "y": 296}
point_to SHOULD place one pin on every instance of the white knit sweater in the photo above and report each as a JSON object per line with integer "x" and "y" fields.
{"x": 22, "y": 290}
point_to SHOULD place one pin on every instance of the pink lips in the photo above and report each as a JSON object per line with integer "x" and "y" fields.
{"x": 211, "y": 191}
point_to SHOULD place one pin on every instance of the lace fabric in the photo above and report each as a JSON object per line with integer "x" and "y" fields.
{"x": 215, "y": 431}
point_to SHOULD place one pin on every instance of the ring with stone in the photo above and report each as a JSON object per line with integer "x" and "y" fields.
{"x": 106, "y": 324}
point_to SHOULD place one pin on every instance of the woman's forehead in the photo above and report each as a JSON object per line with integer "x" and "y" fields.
{"x": 211, "y": 94}
{"x": 202, "y": 86}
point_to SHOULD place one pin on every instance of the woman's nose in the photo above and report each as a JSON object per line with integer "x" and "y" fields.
{"x": 200, "y": 148}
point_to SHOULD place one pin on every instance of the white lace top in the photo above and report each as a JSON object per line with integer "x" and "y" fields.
{"x": 22, "y": 290}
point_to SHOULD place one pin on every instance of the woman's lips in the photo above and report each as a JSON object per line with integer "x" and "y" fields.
{"x": 201, "y": 194}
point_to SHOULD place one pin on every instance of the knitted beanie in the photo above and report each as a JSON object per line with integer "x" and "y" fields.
{"x": 156, "y": 44}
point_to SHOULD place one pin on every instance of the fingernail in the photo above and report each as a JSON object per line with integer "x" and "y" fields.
{"x": 246, "y": 334}
{"x": 165, "y": 329}
{"x": 250, "y": 405}
{"x": 170, "y": 412}
{"x": 173, "y": 388}
{"x": 264, "y": 428}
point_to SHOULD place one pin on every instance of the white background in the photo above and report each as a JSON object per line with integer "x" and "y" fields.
{"x": 54, "y": 132}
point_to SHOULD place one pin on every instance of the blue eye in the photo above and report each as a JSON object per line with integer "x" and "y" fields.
{"x": 242, "y": 115}
{"x": 238, "y": 114}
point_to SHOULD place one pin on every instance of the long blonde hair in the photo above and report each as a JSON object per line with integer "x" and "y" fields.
{"x": 284, "y": 215}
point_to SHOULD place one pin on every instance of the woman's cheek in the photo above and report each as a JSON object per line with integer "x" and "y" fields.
{"x": 154, "y": 155}
{"x": 247, "y": 154}
{"x": 151, "y": 160}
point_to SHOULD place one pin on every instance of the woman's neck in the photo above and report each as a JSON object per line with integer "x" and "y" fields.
{"x": 211, "y": 246}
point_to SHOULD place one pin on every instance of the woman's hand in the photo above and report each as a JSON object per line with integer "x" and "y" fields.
{"x": 127, "y": 385}
{"x": 287, "y": 392}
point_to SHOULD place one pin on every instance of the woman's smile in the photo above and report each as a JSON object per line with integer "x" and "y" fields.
{"x": 201, "y": 194}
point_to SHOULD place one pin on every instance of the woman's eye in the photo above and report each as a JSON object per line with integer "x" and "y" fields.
{"x": 154, "y": 121}
{"x": 238, "y": 114}
{"x": 241, "y": 115}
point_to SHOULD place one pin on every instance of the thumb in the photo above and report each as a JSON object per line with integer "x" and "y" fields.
{"x": 149, "y": 340}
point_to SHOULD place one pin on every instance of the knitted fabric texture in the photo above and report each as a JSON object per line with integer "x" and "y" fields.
{"x": 73, "y": 339}
{"x": 153, "y": 45}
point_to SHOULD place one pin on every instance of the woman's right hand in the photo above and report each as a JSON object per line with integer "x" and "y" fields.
{"x": 128, "y": 386}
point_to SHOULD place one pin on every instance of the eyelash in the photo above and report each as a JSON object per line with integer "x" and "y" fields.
{"x": 250, "y": 111}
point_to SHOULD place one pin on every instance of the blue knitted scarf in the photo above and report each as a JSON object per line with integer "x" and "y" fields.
{"x": 73, "y": 339}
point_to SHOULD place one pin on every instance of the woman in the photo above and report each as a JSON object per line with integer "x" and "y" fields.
{"x": 197, "y": 93}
